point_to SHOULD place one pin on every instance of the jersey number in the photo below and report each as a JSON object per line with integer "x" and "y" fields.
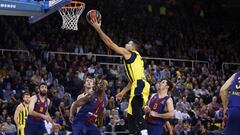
{"x": 238, "y": 85}
{"x": 41, "y": 109}
{"x": 155, "y": 106}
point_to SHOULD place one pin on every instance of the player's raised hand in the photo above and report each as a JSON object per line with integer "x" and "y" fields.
{"x": 95, "y": 23}
{"x": 94, "y": 18}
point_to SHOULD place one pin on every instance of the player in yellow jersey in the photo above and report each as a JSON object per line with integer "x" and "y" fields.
{"x": 134, "y": 67}
{"x": 21, "y": 113}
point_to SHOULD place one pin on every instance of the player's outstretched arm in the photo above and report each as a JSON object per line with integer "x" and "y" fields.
{"x": 169, "y": 113}
{"x": 81, "y": 102}
{"x": 120, "y": 50}
{"x": 72, "y": 112}
{"x": 224, "y": 92}
{"x": 48, "y": 115}
{"x": 120, "y": 95}
{"x": 49, "y": 118}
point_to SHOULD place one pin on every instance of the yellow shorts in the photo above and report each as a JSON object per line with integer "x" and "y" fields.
{"x": 139, "y": 88}
{"x": 21, "y": 132}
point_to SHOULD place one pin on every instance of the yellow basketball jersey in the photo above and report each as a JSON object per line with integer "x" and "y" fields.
{"x": 22, "y": 116}
{"x": 134, "y": 67}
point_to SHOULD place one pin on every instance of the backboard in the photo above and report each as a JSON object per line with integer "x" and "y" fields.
{"x": 35, "y": 10}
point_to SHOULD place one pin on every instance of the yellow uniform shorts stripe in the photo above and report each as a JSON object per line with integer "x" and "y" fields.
{"x": 21, "y": 132}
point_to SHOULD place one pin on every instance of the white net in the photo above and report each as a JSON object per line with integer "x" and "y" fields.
{"x": 70, "y": 17}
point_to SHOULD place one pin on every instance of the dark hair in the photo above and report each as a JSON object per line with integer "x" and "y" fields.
{"x": 170, "y": 84}
{"x": 136, "y": 44}
{"x": 41, "y": 85}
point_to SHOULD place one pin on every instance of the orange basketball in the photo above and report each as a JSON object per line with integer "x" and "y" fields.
{"x": 93, "y": 13}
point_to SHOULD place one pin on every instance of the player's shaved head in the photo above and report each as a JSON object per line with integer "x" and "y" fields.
{"x": 133, "y": 45}
{"x": 136, "y": 44}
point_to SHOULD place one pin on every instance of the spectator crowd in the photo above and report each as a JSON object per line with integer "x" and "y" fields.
{"x": 196, "y": 100}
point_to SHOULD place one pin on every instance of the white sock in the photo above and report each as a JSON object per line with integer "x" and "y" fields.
{"x": 144, "y": 132}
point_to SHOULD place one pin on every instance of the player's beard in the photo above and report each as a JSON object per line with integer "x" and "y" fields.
{"x": 43, "y": 93}
{"x": 26, "y": 102}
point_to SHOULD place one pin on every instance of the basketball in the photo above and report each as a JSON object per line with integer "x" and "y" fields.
{"x": 93, "y": 13}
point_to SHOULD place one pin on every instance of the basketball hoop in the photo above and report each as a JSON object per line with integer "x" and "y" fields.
{"x": 70, "y": 14}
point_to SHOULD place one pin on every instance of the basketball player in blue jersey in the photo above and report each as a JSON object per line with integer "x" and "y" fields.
{"x": 38, "y": 112}
{"x": 159, "y": 108}
{"x": 88, "y": 88}
{"x": 92, "y": 106}
{"x": 138, "y": 86}
{"x": 230, "y": 95}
